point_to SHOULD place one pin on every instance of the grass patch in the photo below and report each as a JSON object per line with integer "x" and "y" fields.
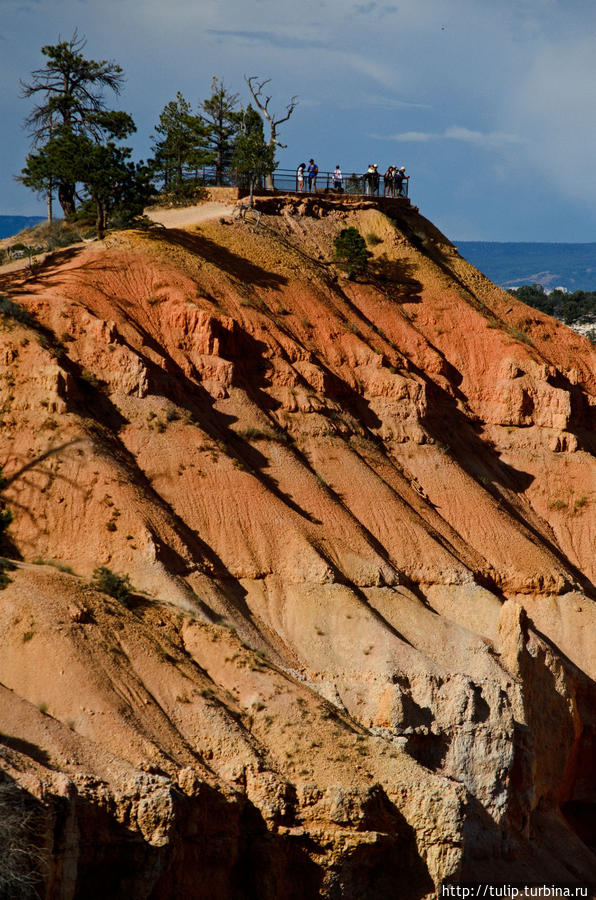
{"x": 208, "y": 694}
{"x": 518, "y": 334}
{"x": 116, "y": 586}
{"x": 55, "y": 564}
{"x": 580, "y": 503}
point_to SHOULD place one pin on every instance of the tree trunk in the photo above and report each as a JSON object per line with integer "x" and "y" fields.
{"x": 179, "y": 172}
{"x": 272, "y": 141}
{"x": 100, "y": 220}
{"x": 49, "y": 199}
{"x": 219, "y": 166}
{"x": 66, "y": 198}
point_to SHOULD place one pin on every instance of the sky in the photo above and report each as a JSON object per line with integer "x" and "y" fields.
{"x": 490, "y": 104}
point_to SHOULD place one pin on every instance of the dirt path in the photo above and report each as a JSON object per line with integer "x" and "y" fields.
{"x": 169, "y": 218}
{"x": 189, "y": 215}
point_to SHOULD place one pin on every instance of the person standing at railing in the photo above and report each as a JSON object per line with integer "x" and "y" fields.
{"x": 313, "y": 171}
{"x": 367, "y": 178}
{"x": 375, "y": 180}
{"x": 338, "y": 180}
{"x": 400, "y": 180}
{"x": 389, "y": 181}
{"x": 300, "y": 176}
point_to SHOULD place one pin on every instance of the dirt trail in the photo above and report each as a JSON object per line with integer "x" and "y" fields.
{"x": 190, "y": 215}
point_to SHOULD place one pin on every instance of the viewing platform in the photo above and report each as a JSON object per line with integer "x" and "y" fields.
{"x": 231, "y": 184}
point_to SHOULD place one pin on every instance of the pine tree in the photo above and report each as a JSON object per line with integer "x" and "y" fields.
{"x": 253, "y": 156}
{"x": 220, "y": 115}
{"x": 183, "y": 144}
{"x": 108, "y": 176}
{"x": 69, "y": 91}
{"x": 350, "y": 249}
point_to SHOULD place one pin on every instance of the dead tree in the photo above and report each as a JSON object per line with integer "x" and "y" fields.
{"x": 256, "y": 88}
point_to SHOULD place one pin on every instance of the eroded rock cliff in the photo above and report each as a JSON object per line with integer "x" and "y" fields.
{"x": 358, "y": 517}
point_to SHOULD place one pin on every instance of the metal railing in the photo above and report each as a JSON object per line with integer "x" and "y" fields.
{"x": 356, "y": 183}
{"x": 360, "y": 184}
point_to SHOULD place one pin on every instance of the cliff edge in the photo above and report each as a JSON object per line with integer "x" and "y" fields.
{"x": 358, "y": 521}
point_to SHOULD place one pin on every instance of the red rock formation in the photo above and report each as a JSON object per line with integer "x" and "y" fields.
{"x": 359, "y": 520}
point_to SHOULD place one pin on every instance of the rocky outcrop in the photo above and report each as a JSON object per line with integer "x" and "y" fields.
{"x": 357, "y": 519}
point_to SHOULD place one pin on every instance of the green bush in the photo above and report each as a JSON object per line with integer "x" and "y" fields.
{"x": 116, "y": 586}
{"x": 6, "y": 565}
{"x": 350, "y": 248}
{"x": 11, "y": 312}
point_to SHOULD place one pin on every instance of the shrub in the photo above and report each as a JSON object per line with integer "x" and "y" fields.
{"x": 256, "y": 434}
{"x": 5, "y": 566}
{"x": 11, "y": 312}
{"x": 116, "y": 586}
{"x": 90, "y": 379}
{"x": 21, "y": 830}
{"x": 5, "y": 519}
{"x": 350, "y": 248}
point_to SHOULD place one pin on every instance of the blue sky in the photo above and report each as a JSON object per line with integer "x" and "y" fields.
{"x": 491, "y": 104}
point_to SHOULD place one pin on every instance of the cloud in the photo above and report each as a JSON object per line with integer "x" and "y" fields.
{"x": 372, "y": 67}
{"x": 418, "y": 137}
{"x": 372, "y": 8}
{"x": 488, "y": 140}
{"x": 372, "y": 100}
{"x": 269, "y": 38}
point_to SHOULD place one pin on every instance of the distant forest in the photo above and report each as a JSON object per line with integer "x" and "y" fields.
{"x": 573, "y": 309}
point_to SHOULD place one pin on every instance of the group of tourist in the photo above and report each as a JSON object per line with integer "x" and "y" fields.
{"x": 394, "y": 179}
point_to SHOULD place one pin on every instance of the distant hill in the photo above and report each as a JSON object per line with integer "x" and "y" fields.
{"x": 572, "y": 266}
{"x": 10, "y": 225}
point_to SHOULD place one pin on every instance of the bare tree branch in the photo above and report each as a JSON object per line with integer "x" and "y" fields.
{"x": 256, "y": 88}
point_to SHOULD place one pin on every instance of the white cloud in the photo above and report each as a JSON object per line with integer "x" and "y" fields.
{"x": 488, "y": 140}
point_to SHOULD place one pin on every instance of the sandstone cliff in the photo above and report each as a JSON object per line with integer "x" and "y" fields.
{"x": 358, "y": 517}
